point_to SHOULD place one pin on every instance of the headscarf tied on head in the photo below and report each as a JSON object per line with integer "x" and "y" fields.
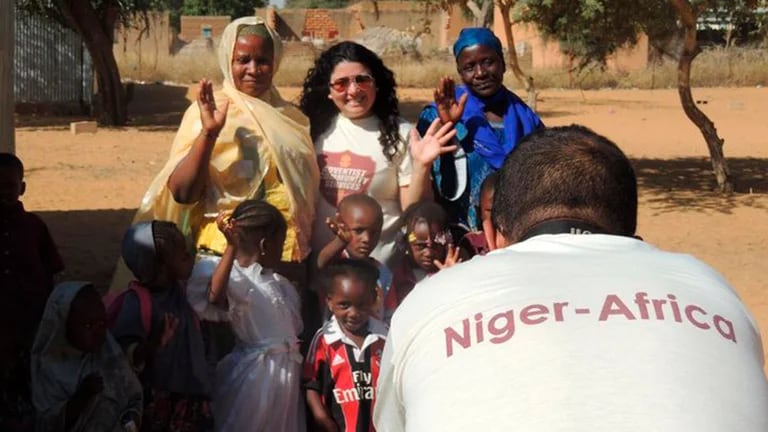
{"x": 257, "y": 131}
{"x": 519, "y": 120}
{"x": 240, "y": 27}
{"x": 477, "y": 36}
{"x": 58, "y": 368}
{"x": 140, "y": 251}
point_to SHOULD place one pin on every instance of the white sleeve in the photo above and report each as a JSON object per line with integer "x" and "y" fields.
{"x": 404, "y": 166}
{"x": 197, "y": 290}
{"x": 388, "y": 412}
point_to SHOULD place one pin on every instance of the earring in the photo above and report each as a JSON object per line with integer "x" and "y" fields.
{"x": 262, "y": 248}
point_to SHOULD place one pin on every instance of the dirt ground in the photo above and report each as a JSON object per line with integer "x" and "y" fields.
{"x": 87, "y": 186}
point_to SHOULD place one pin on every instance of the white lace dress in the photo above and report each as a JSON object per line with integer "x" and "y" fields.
{"x": 257, "y": 386}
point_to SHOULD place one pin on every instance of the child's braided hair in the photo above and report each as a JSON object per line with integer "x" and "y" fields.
{"x": 253, "y": 216}
{"x": 165, "y": 234}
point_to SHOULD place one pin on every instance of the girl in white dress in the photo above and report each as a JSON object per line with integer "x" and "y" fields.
{"x": 257, "y": 384}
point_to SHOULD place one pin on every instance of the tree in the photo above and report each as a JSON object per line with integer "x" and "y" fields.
{"x": 482, "y": 13}
{"x": 591, "y": 30}
{"x": 316, "y": 4}
{"x": 94, "y": 21}
{"x": 505, "y": 7}
{"x": 232, "y": 8}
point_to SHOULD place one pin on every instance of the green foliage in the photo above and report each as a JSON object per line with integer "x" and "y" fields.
{"x": 742, "y": 22}
{"x": 590, "y": 30}
{"x": 316, "y": 4}
{"x": 232, "y": 8}
{"x": 108, "y": 11}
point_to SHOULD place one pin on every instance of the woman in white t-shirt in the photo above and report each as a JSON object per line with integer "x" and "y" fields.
{"x": 362, "y": 143}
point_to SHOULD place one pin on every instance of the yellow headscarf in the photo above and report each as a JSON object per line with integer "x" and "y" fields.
{"x": 258, "y": 132}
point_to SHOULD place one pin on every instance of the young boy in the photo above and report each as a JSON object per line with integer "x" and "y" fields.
{"x": 480, "y": 242}
{"x": 28, "y": 257}
{"x": 28, "y": 262}
{"x": 357, "y": 226}
{"x": 342, "y": 366}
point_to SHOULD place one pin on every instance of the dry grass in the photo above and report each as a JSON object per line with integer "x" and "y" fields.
{"x": 712, "y": 68}
{"x": 734, "y": 67}
{"x": 167, "y": 68}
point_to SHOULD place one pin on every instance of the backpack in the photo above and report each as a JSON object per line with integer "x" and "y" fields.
{"x": 114, "y": 304}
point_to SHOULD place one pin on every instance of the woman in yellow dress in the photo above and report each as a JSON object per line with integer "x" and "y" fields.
{"x": 243, "y": 142}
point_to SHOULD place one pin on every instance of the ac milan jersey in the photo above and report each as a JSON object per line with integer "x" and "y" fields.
{"x": 345, "y": 375}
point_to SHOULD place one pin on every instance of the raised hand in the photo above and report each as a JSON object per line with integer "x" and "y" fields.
{"x": 451, "y": 258}
{"x": 448, "y": 109}
{"x": 227, "y": 227}
{"x": 339, "y": 228}
{"x": 211, "y": 117}
{"x": 435, "y": 142}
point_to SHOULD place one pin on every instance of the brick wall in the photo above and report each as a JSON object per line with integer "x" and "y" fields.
{"x": 349, "y": 22}
{"x": 192, "y": 26}
{"x": 319, "y": 24}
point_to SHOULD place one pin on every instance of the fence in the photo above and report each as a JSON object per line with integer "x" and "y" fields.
{"x": 51, "y": 65}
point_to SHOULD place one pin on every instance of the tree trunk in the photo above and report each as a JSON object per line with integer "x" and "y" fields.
{"x": 505, "y": 6}
{"x": 690, "y": 50}
{"x": 487, "y": 13}
{"x": 481, "y": 16}
{"x": 7, "y": 46}
{"x": 477, "y": 14}
{"x": 97, "y": 36}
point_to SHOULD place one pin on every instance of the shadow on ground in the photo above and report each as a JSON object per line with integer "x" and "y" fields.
{"x": 152, "y": 107}
{"x": 89, "y": 241}
{"x": 688, "y": 184}
{"x": 157, "y": 106}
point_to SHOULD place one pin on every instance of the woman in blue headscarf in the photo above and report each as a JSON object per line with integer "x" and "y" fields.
{"x": 490, "y": 120}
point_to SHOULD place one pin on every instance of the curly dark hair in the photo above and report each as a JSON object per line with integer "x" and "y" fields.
{"x": 321, "y": 110}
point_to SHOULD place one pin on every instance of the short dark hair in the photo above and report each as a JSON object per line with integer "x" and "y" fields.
{"x": 10, "y": 160}
{"x": 565, "y": 172}
{"x": 363, "y": 270}
{"x": 428, "y": 211}
{"x": 361, "y": 200}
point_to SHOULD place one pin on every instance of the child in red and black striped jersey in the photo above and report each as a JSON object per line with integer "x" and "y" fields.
{"x": 357, "y": 226}
{"x": 342, "y": 366}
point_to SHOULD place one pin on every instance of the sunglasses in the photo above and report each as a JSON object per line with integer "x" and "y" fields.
{"x": 362, "y": 81}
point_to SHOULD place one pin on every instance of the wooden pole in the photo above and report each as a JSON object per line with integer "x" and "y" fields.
{"x": 7, "y": 138}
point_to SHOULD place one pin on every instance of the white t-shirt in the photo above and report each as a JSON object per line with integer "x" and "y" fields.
{"x": 573, "y": 333}
{"x": 352, "y": 161}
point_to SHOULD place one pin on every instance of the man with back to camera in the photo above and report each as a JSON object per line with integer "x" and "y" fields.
{"x": 575, "y": 323}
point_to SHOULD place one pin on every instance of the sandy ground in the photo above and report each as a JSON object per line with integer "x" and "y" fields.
{"x": 87, "y": 186}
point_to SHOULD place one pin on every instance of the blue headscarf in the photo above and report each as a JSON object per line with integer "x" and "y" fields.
{"x": 477, "y": 36}
{"x": 519, "y": 120}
